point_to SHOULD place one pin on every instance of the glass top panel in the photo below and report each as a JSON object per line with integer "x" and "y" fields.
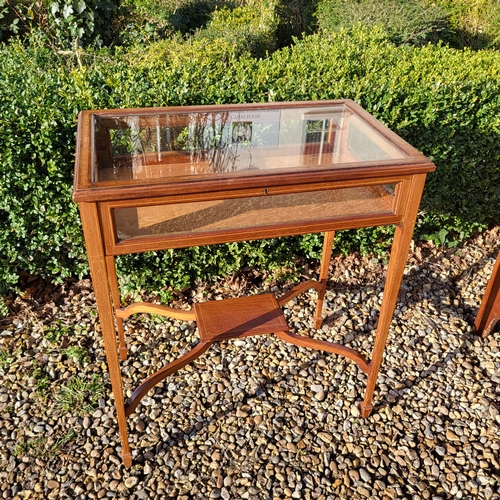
{"x": 180, "y": 145}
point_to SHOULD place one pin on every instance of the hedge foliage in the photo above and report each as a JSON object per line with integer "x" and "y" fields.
{"x": 443, "y": 101}
{"x": 416, "y": 22}
{"x": 476, "y": 22}
{"x": 468, "y": 23}
{"x": 247, "y": 28}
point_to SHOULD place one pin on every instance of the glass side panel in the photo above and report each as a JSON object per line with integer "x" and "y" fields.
{"x": 178, "y": 145}
{"x": 260, "y": 211}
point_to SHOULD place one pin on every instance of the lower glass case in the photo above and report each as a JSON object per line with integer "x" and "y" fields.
{"x": 257, "y": 211}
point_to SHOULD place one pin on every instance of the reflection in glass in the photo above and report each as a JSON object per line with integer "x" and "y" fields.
{"x": 178, "y": 145}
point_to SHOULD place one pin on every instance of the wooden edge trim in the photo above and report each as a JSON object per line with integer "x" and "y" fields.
{"x": 144, "y": 307}
{"x": 153, "y": 243}
{"x": 157, "y": 377}
{"x": 218, "y": 107}
{"x": 324, "y": 345}
{"x": 158, "y": 188}
{"x": 254, "y": 191}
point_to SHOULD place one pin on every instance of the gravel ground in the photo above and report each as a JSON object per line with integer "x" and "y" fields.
{"x": 256, "y": 418}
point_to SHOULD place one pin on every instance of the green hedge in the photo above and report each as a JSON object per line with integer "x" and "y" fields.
{"x": 444, "y": 102}
{"x": 415, "y": 22}
{"x": 248, "y": 28}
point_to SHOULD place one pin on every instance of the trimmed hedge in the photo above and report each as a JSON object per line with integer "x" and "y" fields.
{"x": 444, "y": 102}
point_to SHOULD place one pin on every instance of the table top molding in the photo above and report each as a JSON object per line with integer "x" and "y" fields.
{"x": 85, "y": 189}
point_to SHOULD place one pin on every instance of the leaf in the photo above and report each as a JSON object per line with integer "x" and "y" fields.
{"x": 442, "y": 236}
{"x": 67, "y": 11}
{"x": 80, "y": 6}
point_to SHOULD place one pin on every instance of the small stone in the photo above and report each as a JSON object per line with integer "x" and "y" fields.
{"x": 440, "y": 451}
{"x": 364, "y": 491}
{"x": 443, "y": 410}
{"x": 52, "y": 484}
{"x": 131, "y": 481}
{"x": 240, "y": 412}
{"x": 482, "y": 480}
{"x": 87, "y": 423}
{"x": 324, "y": 436}
{"x": 354, "y": 475}
{"x": 391, "y": 492}
{"x": 488, "y": 493}
{"x": 320, "y": 396}
{"x": 215, "y": 493}
{"x": 365, "y": 476}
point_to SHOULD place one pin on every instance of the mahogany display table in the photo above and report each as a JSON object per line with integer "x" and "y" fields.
{"x": 153, "y": 179}
{"x": 489, "y": 310}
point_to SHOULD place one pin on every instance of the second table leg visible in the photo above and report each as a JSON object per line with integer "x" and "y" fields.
{"x": 399, "y": 253}
{"x": 323, "y": 275}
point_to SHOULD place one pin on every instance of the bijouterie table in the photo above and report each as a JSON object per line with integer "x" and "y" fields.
{"x": 153, "y": 179}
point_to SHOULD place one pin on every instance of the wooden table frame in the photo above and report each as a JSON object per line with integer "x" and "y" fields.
{"x": 261, "y": 314}
{"x": 489, "y": 311}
